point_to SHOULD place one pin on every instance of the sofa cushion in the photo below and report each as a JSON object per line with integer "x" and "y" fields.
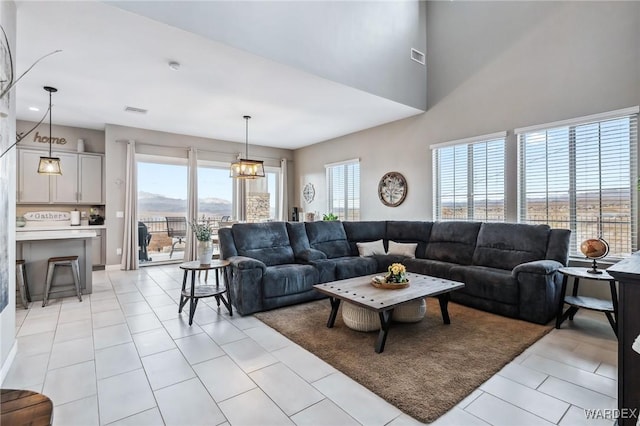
{"x": 349, "y": 267}
{"x": 506, "y": 245}
{"x": 487, "y": 283}
{"x": 329, "y": 237}
{"x": 410, "y": 232}
{"x": 363, "y": 232}
{"x": 453, "y": 242}
{"x": 371, "y": 248}
{"x": 434, "y": 268}
{"x": 402, "y": 249}
{"x": 282, "y": 280}
{"x": 298, "y": 238}
{"x": 267, "y": 242}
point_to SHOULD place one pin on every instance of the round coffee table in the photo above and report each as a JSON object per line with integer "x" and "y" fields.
{"x": 196, "y": 292}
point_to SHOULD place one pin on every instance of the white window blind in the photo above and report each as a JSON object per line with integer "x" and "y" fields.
{"x": 583, "y": 177}
{"x": 343, "y": 189}
{"x": 469, "y": 180}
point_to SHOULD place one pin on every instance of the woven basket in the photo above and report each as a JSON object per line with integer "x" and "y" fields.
{"x": 413, "y": 311}
{"x": 360, "y": 319}
{"x": 390, "y": 286}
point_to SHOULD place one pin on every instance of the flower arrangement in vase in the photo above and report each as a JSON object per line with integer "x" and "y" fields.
{"x": 203, "y": 231}
{"x": 396, "y": 278}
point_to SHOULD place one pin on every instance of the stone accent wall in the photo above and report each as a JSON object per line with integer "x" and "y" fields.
{"x": 257, "y": 206}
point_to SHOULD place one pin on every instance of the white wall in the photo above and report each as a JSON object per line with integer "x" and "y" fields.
{"x": 93, "y": 139}
{"x": 167, "y": 144}
{"x": 492, "y": 66}
{"x": 7, "y": 170}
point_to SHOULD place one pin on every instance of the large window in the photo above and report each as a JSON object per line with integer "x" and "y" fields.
{"x": 215, "y": 191}
{"x": 343, "y": 189}
{"x": 469, "y": 179}
{"x": 582, "y": 176}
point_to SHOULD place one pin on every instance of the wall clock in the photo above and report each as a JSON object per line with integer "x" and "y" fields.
{"x": 392, "y": 189}
{"x": 309, "y": 193}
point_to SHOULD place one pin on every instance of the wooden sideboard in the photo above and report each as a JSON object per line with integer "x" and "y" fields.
{"x": 627, "y": 273}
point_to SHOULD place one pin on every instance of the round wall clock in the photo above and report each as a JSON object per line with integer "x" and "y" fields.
{"x": 392, "y": 189}
{"x": 309, "y": 193}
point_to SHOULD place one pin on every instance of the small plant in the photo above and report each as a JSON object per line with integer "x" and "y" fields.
{"x": 203, "y": 229}
{"x": 397, "y": 273}
{"x": 329, "y": 216}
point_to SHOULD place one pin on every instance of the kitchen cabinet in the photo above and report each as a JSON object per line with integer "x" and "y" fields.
{"x": 80, "y": 182}
{"x": 97, "y": 253}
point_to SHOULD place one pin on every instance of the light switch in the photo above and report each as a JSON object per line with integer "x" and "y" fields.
{"x": 120, "y": 214}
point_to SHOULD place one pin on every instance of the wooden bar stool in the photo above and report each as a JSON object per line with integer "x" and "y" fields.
{"x": 71, "y": 261}
{"x": 22, "y": 284}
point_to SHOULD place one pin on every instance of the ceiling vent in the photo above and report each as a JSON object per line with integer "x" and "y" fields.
{"x": 417, "y": 56}
{"x": 137, "y": 110}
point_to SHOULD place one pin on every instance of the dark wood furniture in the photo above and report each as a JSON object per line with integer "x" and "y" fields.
{"x": 575, "y": 302}
{"x": 627, "y": 273}
{"x": 196, "y": 292}
{"x": 23, "y": 407}
{"x": 360, "y": 292}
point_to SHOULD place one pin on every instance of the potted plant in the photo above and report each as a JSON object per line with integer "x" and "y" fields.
{"x": 203, "y": 231}
{"x": 329, "y": 216}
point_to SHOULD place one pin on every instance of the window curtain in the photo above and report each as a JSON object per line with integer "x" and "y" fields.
{"x": 130, "y": 240}
{"x": 240, "y": 200}
{"x": 284, "y": 183}
{"x": 191, "y": 247}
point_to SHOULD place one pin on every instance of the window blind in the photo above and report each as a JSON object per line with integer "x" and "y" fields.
{"x": 469, "y": 180}
{"x": 343, "y": 189}
{"x": 583, "y": 177}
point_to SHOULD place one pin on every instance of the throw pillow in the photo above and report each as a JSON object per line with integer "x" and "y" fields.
{"x": 370, "y": 249}
{"x": 403, "y": 249}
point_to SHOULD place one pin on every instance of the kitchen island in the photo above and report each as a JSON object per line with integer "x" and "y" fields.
{"x": 37, "y": 246}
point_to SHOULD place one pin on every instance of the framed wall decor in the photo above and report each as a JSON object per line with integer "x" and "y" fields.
{"x": 309, "y": 193}
{"x": 392, "y": 189}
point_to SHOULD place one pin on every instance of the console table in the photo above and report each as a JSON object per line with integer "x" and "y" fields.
{"x": 627, "y": 273}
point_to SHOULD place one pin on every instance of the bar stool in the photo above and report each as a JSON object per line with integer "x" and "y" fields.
{"x": 22, "y": 283}
{"x": 71, "y": 261}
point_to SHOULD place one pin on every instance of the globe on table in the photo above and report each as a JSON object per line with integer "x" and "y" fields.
{"x": 594, "y": 248}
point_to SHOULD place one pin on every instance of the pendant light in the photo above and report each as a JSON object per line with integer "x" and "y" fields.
{"x": 245, "y": 168}
{"x": 49, "y": 165}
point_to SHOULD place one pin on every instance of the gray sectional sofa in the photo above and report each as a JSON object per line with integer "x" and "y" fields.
{"x": 509, "y": 269}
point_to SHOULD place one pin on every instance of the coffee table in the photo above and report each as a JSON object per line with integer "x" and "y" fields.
{"x": 360, "y": 292}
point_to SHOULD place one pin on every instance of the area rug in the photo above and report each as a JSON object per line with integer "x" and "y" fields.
{"x": 427, "y": 367}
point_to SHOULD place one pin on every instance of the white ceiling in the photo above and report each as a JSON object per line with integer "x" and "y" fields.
{"x": 112, "y": 58}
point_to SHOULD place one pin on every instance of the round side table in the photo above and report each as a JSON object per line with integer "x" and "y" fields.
{"x": 575, "y": 302}
{"x": 196, "y": 292}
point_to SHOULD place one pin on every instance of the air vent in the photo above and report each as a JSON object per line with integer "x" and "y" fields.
{"x": 137, "y": 110}
{"x": 417, "y": 56}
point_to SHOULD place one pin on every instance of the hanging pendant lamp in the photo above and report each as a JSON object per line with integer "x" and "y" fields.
{"x": 50, "y": 165}
{"x": 245, "y": 168}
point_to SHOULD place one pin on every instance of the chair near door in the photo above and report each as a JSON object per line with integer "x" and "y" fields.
{"x": 176, "y": 230}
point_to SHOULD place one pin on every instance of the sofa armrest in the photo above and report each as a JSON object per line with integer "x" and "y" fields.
{"x": 243, "y": 262}
{"x": 310, "y": 255}
{"x": 542, "y": 267}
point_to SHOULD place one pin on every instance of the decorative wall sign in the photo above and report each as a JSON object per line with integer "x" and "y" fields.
{"x": 392, "y": 189}
{"x": 47, "y": 216}
{"x": 309, "y": 193}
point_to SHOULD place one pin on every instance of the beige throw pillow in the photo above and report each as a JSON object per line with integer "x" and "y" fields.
{"x": 370, "y": 249}
{"x": 403, "y": 249}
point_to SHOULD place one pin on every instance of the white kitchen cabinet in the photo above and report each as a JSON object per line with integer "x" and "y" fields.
{"x": 89, "y": 179}
{"x": 80, "y": 183}
{"x": 64, "y": 188}
{"x": 97, "y": 249}
{"x": 32, "y": 187}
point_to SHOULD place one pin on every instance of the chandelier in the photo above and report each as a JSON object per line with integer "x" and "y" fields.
{"x": 245, "y": 168}
{"x": 49, "y": 165}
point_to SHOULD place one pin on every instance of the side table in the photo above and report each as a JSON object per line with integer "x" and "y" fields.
{"x": 575, "y": 302}
{"x": 24, "y": 407}
{"x": 197, "y": 292}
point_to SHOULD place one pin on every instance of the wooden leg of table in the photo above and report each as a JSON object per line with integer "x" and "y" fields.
{"x": 183, "y": 299}
{"x": 563, "y": 291}
{"x": 335, "y": 304}
{"x": 444, "y": 307}
{"x": 576, "y": 283}
{"x": 228, "y": 287}
{"x": 192, "y": 305}
{"x": 385, "y": 321}
{"x": 614, "y": 302}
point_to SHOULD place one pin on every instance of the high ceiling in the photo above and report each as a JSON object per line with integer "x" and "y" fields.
{"x": 112, "y": 59}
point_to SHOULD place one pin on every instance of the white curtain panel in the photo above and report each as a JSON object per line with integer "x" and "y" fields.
{"x": 284, "y": 184}
{"x": 130, "y": 240}
{"x": 191, "y": 247}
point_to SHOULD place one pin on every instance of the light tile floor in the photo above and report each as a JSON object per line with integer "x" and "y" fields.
{"x": 124, "y": 356}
